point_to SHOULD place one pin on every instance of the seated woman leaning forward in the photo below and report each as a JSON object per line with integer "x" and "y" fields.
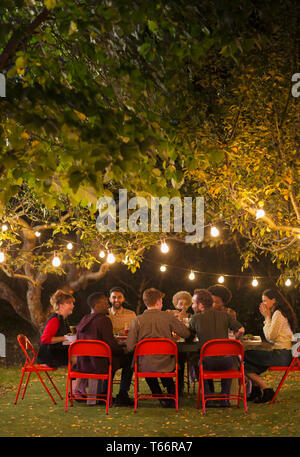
{"x": 279, "y": 325}
{"x": 52, "y": 352}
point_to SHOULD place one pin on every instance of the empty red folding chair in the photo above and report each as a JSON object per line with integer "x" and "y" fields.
{"x": 293, "y": 367}
{"x": 222, "y": 347}
{"x": 31, "y": 367}
{"x": 91, "y": 348}
{"x": 155, "y": 346}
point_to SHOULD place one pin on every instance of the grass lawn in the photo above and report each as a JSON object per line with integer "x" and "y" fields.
{"x": 36, "y": 416}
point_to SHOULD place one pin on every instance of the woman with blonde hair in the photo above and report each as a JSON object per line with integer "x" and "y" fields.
{"x": 52, "y": 352}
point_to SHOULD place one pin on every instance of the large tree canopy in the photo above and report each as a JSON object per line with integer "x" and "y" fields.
{"x": 177, "y": 98}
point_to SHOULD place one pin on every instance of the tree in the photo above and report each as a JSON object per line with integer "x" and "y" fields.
{"x": 160, "y": 98}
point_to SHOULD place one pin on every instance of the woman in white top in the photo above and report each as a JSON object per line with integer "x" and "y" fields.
{"x": 279, "y": 325}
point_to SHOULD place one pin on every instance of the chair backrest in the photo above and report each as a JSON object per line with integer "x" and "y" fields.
{"x": 222, "y": 347}
{"x": 27, "y": 347}
{"x": 156, "y": 346}
{"x": 92, "y": 348}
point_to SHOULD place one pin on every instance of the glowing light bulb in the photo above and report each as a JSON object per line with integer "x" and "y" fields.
{"x": 37, "y": 234}
{"x": 214, "y": 231}
{"x": 288, "y": 282}
{"x": 254, "y": 283}
{"x": 69, "y": 246}
{"x": 260, "y": 213}
{"x": 191, "y": 275}
{"x": 102, "y": 254}
{"x": 2, "y": 257}
{"x": 221, "y": 279}
{"x": 4, "y": 228}
{"x": 56, "y": 261}
{"x": 164, "y": 247}
{"x": 111, "y": 258}
{"x": 163, "y": 268}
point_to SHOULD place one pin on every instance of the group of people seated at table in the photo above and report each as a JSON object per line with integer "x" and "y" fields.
{"x": 204, "y": 315}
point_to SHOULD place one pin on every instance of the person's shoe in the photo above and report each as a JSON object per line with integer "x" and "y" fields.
{"x": 267, "y": 395}
{"x": 123, "y": 399}
{"x": 256, "y": 394}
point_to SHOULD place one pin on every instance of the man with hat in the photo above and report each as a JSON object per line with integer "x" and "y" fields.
{"x": 155, "y": 323}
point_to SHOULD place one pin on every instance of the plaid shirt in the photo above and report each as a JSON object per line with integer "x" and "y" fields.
{"x": 120, "y": 318}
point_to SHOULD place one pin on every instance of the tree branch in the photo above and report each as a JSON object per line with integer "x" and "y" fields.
{"x": 89, "y": 275}
{"x": 18, "y": 276}
{"x": 15, "y": 41}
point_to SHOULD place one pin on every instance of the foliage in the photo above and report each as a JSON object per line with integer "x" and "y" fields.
{"x": 161, "y": 98}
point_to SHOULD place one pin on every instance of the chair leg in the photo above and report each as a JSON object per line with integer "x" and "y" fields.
{"x": 109, "y": 393}
{"x": 135, "y": 392}
{"x": 45, "y": 387}
{"x": 176, "y": 391}
{"x": 50, "y": 379}
{"x": 239, "y": 392}
{"x": 26, "y": 384}
{"x": 67, "y": 393}
{"x": 280, "y": 385}
{"x": 20, "y": 385}
{"x": 244, "y": 392}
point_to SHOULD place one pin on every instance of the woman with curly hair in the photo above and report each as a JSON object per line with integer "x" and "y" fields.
{"x": 279, "y": 325}
{"x": 182, "y": 301}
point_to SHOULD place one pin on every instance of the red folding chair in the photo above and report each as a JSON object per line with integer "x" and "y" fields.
{"x": 31, "y": 367}
{"x": 91, "y": 348}
{"x": 222, "y": 347}
{"x": 293, "y": 367}
{"x": 155, "y": 346}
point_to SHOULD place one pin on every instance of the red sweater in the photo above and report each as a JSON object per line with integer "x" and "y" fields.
{"x": 50, "y": 330}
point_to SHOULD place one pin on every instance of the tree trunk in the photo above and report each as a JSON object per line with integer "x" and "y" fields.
{"x": 19, "y": 305}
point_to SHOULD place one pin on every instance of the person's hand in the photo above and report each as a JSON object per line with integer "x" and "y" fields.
{"x": 266, "y": 312}
{"x": 240, "y": 333}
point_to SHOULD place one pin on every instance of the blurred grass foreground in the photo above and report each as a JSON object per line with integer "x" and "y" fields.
{"x": 36, "y": 416}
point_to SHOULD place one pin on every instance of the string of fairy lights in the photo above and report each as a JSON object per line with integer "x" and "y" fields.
{"x": 221, "y": 277}
{"x": 111, "y": 259}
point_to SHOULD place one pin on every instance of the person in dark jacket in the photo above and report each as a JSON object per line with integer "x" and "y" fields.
{"x": 97, "y": 326}
{"x": 52, "y": 352}
{"x": 210, "y": 324}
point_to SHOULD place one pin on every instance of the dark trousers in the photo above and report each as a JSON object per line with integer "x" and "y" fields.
{"x": 155, "y": 388}
{"x": 127, "y": 372}
{"x": 126, "y": 375}
{"x": 215, "y": 364}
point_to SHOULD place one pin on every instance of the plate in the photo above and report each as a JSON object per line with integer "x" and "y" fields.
{"x": 253, "y": 340}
